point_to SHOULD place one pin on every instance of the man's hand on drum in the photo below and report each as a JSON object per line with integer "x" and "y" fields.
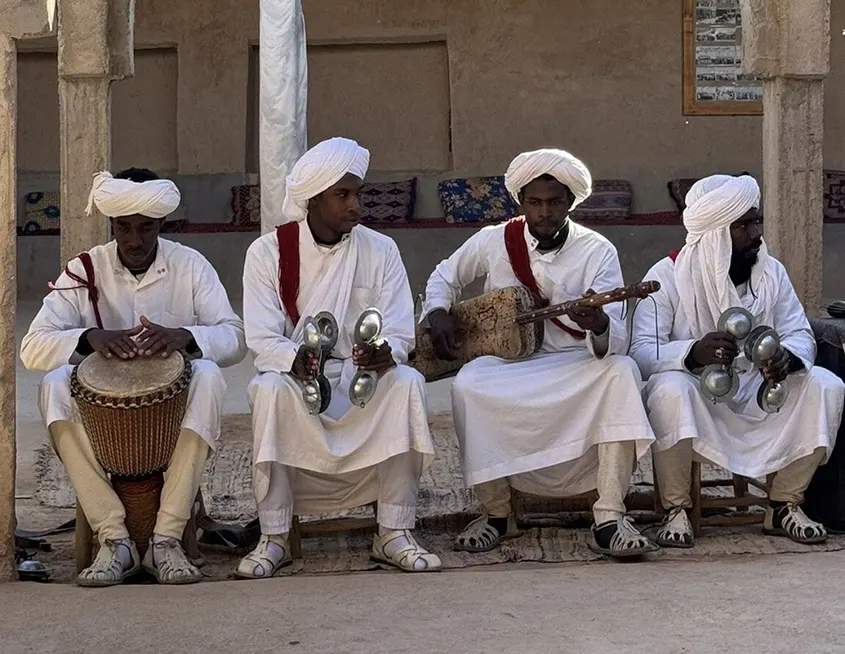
{"x": 114, "y": 343}
{"x": 377, "y": 358}
{"x": 164, "y": 341}
{"x": 444, "y": 334}
{"x": 591, "y": 319}
{"x": 305, "y": 365}
{"x": 715, "y": 347}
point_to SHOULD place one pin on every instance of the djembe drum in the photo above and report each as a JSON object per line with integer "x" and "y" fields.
{"x": 132, "y": 411}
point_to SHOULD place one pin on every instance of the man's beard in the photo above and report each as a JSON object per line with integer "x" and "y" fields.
{"x": 741, "y": 264}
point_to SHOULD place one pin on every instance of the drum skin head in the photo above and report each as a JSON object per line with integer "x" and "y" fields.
{"x": 129, "y": 377}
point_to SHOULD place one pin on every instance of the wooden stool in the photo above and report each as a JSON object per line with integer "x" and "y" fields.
{"x": 84, "y": 536}
{"x": 741, "y": 499}
{"x": 299, "y": 531}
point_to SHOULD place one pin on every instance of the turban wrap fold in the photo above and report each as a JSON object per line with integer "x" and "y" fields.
{"x": 320, "y": 168}
{"x": 564, "y": 167}
{"x": 155, "y": 198}
{"x": 703, "y": 264}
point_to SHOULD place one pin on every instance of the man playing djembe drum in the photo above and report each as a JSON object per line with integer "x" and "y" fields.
{"x": 725, "y": 265}
{"x": 152, "y": 297}
{"x": 346, "y": 456}
{"x": 569, "y": 418}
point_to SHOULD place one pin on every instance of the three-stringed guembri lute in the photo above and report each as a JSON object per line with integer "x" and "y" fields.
{"x": 507, "y": 323}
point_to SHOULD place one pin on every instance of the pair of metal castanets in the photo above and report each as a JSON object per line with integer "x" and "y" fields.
{"x": 719, "y": 381}
{"x": 320, "y": 335}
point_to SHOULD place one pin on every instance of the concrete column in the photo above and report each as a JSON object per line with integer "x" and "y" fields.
{"x": 96, "y": 47}
{"x": 793, "y": 161}
{"x": 19, "y": 19}
{"x": 788, "y": 44}
{"x": 8, "y": 298}
{"x": 85, "y": 149}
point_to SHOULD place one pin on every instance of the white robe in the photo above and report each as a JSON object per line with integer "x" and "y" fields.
{"x": 181, "y": 289}
{"x": 364, "y": 270}
{"x": 735, "y": 435}
{"x": 554, "y": 407}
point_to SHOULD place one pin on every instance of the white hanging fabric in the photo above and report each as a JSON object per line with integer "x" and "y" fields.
{"x": 282, "y": 105}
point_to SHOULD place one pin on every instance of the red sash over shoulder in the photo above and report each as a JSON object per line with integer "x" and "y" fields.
{"x": 288, "y": 236}
{"x": 521, "y": 263}
{"x": 673, "y": 255}
{"x": 88, "y": 282}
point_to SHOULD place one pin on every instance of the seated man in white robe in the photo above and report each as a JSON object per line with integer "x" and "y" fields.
{"x": 137, "y": 296}
{"x": 321, "y": 259}
{"x": 725, "y": 264}
{"x": 570, "y": 418}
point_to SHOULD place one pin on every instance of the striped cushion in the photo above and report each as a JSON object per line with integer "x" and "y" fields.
{"x": 611, "y": 199}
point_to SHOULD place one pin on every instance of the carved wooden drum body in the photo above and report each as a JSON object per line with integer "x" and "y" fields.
{"x": 132, "y": 411}
{"x": 486, "y": 327}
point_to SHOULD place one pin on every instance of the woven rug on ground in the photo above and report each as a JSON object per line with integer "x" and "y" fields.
{"x": 350, "y": 551}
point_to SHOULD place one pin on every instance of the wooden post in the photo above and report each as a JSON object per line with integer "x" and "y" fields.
{"x": 8, "y": 300}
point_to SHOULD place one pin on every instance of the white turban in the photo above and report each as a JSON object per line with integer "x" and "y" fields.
{"x": 703, "y": 264}
{"x": 155, "y": 198}
{"x": 565, "y": 168}
{"x": 320, "y": 168}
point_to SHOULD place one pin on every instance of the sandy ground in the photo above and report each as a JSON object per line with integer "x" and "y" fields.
{"x": 785, "y": 604}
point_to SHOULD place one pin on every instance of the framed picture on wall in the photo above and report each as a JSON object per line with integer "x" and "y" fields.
{"x": 714, "y": 84}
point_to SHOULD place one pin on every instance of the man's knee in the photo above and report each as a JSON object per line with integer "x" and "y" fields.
{"x": 465, "y": 381}
{"x": 405, "y": 377}
{"x": 58, "y": 379}
{"x": 826, "y": 383}
{"x": 620, "y": 365}
{"x": 670, "y": 388}
{"x": 273, "y": 386}
{"x": 205, "y": 370}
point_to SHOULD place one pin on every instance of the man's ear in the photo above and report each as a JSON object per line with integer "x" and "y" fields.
{"x": 571, "y": 200}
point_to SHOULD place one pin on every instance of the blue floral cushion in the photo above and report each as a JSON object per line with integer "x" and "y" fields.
{"x": 41, "y": 211}
{"x": 476, "y": 200}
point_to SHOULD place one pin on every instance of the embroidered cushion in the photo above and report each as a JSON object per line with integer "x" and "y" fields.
{"x": 610, "y": 199}
{"x": 476, "y": 200}
{"x": 388, "y": 202}
{"x": 834, "y": 195}
{"x": 678, "y": 189}
{"x": 246, "y": 204}
{"x": 41, "y": 211}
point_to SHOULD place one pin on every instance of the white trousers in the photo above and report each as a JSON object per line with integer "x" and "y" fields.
{"x": 673, "y": 466}
{"x": 101, "y": 505}
{"x": 616, "y": 464}
{"x": 394, "y": 483}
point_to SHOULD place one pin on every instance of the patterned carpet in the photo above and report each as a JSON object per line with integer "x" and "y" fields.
{"x": 556, "y": 530}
